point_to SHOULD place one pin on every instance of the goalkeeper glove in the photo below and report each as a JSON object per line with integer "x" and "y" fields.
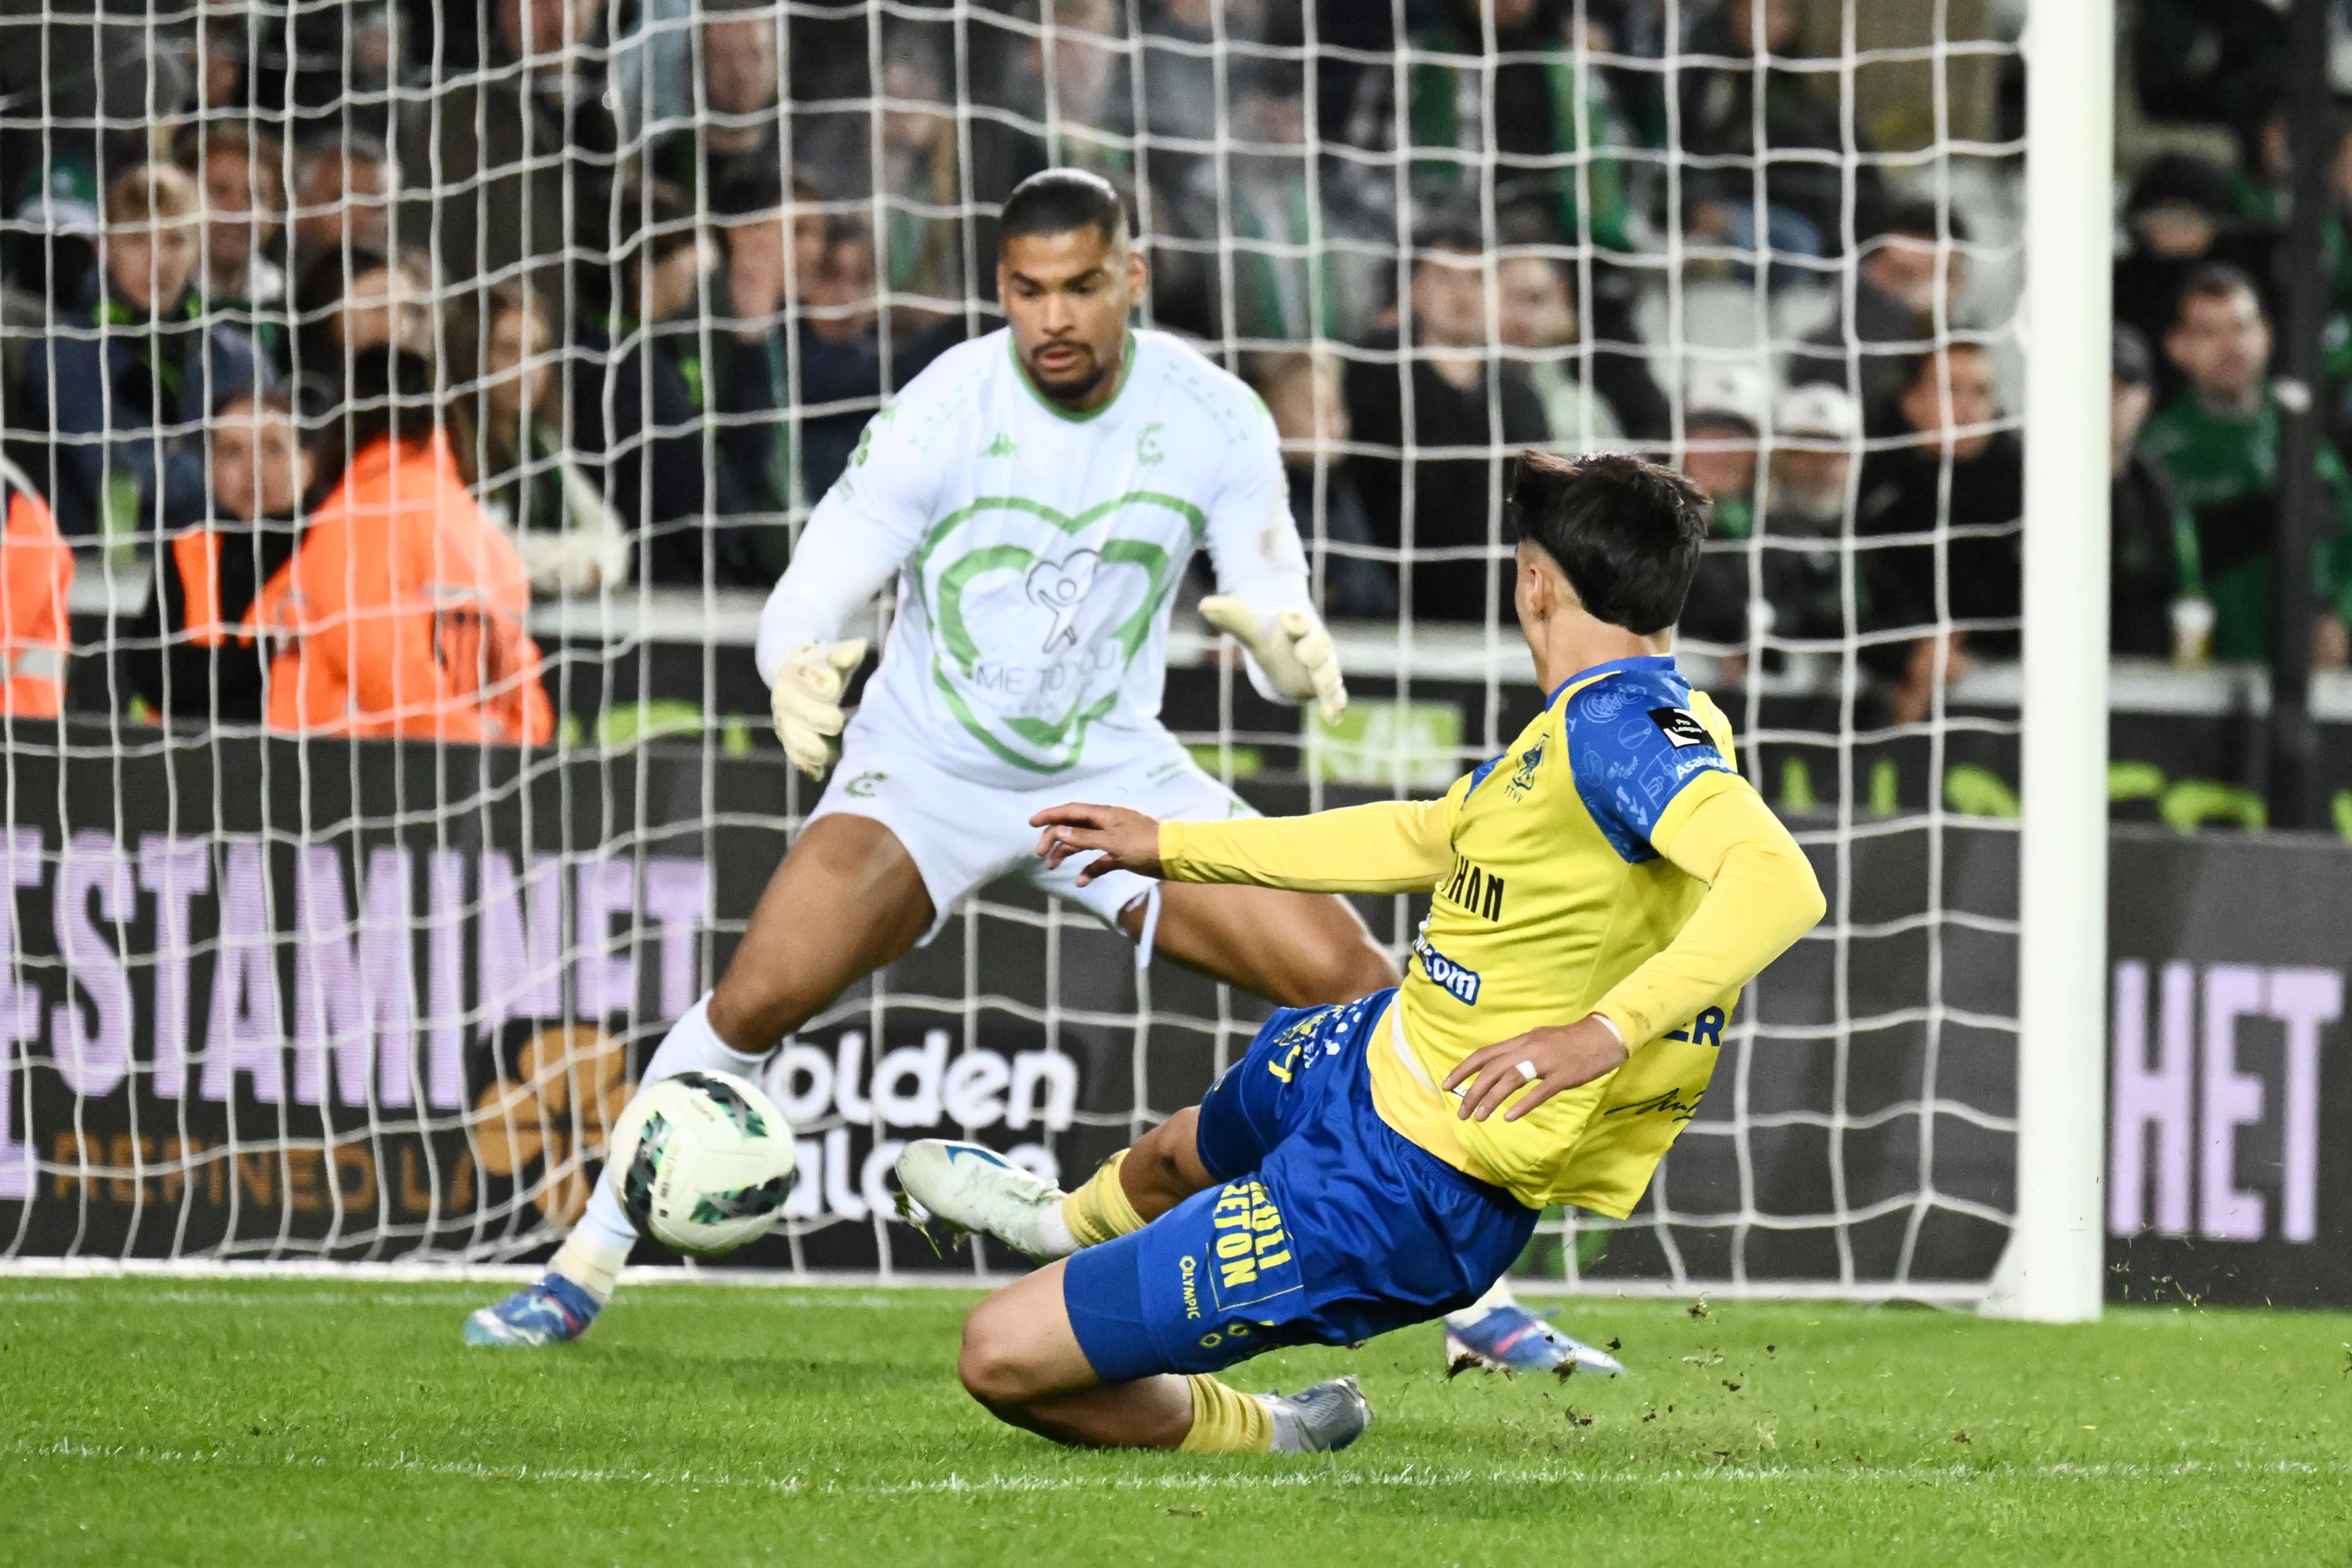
{"x": 1293, "y": 649}
{"x": 807, "y": 700}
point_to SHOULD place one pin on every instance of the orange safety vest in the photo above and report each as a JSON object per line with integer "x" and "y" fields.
{"x": 401, "y": 612}
{"x": 37, "y": 571}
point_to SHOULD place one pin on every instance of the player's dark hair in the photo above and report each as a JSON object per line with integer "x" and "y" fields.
{"x": 1627, "y": 533}
{"x": 2215, "y": 280}
{"x": 1056, "y": 201}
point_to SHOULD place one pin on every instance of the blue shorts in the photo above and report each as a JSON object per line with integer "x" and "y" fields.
{"x": 1328, "y": 1226}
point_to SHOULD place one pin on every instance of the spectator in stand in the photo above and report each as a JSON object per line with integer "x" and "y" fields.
{"x": 1075, "y": 63}
{"x": 361, "y": 300}
{"x": 840, "y": 353}
{"x": 194, "y": 653}
{"x": 2216, "y": 440}
{"x": 343, "y": 199}
{"x": 1538, "y": 316}
{"x": 507, "y": 427}
{"x": 1444, "y": 512}
{"x": 922, "y": 252}
{"x": 2153, "y": 540}
{"x": 36, "y": 573}
{"x": 401, "y": 611}
{"x": 1290, "y": 284}
{"x": 1803, "y": 197}
{"x": 123, "y": 392}
{"x": 1948, "y": 407}
{"x": 2180, "y": 215}
{"x": 1814, "y": 432}
{"x": 516, "y": 153}
{"x": 1907, "y": 288}
{"x": 240, "y": 172}
{"x": 1303, "y": 393}
{"x": 642, "y": 388}
{"x": 768, "y": 248}
{"x": 1547, "y": 121}
{"x": 737, "y": 123}
{"x": 1723, "y": 413}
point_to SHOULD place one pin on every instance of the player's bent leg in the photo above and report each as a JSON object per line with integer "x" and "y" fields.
{"x": 1298, "y": 949}
{"x": 970, "y": 1187}
{"x": 846, "y": 900}
{"x": 1498, "y": 1334}
{"x": 1021, "y": 1358}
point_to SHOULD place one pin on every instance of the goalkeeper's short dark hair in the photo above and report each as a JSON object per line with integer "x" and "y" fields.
{"x": 1056, "y": 201}
{"x": 1627, "y": 533}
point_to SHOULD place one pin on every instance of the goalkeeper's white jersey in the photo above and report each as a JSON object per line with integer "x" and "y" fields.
{"x": 1039, "y": 550}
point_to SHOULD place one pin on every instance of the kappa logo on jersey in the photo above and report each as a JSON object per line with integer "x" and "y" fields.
{"x": 1681, "y": 727}
{"x": 1060, "y": 587}
{"x": 1448, "y": 976}
{"x": 1000, "y": 448}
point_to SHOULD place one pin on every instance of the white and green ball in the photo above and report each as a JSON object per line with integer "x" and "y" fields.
{"x": 702, "y": 1163}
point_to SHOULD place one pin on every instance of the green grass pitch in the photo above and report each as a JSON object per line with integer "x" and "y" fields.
{"x": 258, "y": 1422}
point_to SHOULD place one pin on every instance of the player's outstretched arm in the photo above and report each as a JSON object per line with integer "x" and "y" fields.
{"x": 1761, "y": 897}
{"x": 1389, "y": 847}
{"x": 1120, "y": 839}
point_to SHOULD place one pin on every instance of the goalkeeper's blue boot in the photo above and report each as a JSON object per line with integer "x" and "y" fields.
{"x": 1512, "y": 1339}
{"x": 551, "y": 1311}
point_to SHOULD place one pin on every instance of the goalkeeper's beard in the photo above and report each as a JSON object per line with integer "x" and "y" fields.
{"x": 1069, "y": 394}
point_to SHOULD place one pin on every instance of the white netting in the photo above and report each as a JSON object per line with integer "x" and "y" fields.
{"x": 647, "y": 269}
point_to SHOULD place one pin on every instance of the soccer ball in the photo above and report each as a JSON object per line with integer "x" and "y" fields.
{"x": 702, "y": 1163}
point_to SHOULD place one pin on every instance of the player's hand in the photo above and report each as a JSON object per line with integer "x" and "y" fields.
{"x": 1561, "y": 1057}
{"x": 1124, "y": 840}
{"x": 1294, "y": 649}
{"x": 807, "y": 700}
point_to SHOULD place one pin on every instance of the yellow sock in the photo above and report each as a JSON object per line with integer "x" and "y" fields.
{"x": 1226, "y": 1421}
{"x": 1099, "y": 1211}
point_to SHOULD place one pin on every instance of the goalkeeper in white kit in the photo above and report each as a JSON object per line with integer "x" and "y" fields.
{"x": 1036, "y": 493}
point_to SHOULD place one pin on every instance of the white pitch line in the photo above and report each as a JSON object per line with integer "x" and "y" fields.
{"x": 1409, "y": 1478}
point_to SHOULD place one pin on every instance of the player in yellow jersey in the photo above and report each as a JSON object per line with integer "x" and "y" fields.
{"x": 1601, "y": 894}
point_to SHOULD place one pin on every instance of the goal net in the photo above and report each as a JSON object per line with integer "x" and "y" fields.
{"x": 626, "y": 280}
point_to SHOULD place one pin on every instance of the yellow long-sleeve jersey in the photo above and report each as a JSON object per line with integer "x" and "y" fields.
{"x": 1610, "y": 861}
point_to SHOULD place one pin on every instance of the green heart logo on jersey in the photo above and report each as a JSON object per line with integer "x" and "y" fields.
{"x": 1060, "y": 585}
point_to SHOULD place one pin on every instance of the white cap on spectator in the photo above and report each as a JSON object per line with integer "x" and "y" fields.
{"x": 1727, "y": 391}
{"x": 1818, "y": 410}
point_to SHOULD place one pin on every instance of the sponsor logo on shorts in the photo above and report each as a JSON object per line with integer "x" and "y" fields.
{"x": 1461, "y": 983}
{"x": 1252, "y": 1254}
{"x": 1189, "y": 1269}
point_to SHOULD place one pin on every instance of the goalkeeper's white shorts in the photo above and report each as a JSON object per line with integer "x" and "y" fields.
{"x": 964, "y": 835}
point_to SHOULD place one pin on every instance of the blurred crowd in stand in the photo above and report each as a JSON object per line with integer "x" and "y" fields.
{"x": 347, "y": 330}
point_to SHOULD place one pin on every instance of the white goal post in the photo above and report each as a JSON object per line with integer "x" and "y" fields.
{"x": 2055, "y": 1266}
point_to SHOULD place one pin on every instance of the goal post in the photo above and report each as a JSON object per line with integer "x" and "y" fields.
{"x": 2053, "y": 1268}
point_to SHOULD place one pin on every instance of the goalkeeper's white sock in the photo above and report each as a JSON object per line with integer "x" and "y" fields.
{"x": 592, "y": 1257}
{"x": 1498, "y": 1294}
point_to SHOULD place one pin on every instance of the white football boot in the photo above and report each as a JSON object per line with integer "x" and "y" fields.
{"x": 1321, "y": 1419}
{"x": 972, "y": 1188}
